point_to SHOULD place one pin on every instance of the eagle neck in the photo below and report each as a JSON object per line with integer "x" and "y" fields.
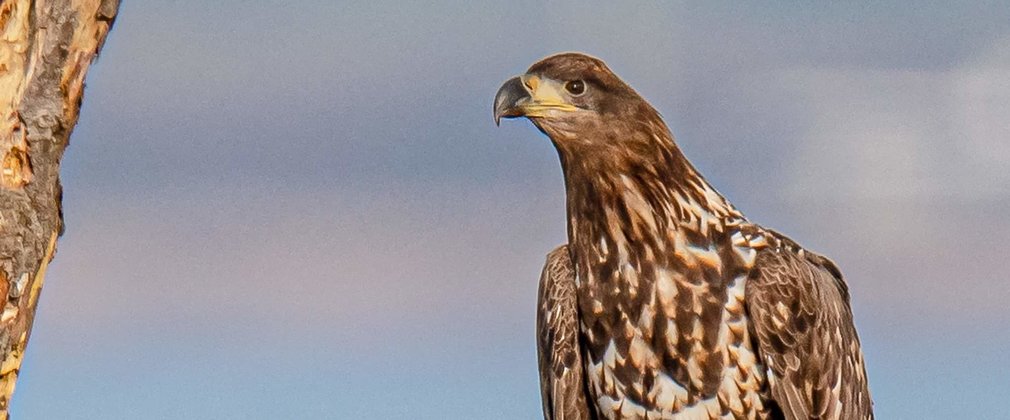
{"x": 617, "y": 198}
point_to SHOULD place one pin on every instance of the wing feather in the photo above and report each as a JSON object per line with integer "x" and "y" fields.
{"x": 559, "y": 355}
{"x": 800, "y": 317}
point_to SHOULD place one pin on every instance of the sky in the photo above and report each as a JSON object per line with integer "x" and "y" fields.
{"x": 304, "y": 209}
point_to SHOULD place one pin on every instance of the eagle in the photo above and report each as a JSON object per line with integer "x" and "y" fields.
{"x": 667, "y": 302}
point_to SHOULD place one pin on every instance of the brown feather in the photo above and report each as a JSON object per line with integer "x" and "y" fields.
{"x": 562, "y": 386}
{"x": 811, "y": 348}
{"x": 676, "y": 300}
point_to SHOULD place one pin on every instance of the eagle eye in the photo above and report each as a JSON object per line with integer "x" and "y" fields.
{"x": 575, "y": 87}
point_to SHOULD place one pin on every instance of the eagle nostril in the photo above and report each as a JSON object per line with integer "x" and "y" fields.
{"x": 531, "y": 83}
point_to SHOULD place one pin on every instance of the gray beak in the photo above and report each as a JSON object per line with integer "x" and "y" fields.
{"x": 509, "y": 98}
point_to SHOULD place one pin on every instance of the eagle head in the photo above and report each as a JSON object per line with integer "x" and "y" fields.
{"x": 590, "y": 115}
{"x": 573, "y": 97}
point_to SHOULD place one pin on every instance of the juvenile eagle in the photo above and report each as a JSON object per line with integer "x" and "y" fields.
{"x": 667, "y": 303}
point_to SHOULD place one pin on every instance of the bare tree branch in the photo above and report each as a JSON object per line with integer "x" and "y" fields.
{"x": 46, "y": 47}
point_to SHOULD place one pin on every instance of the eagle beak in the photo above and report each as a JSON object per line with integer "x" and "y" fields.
{"x": 510, "y": 99}
{"x": 531, "y": 96}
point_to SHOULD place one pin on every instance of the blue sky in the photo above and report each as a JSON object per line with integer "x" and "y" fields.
{"x": 304, "y": 210}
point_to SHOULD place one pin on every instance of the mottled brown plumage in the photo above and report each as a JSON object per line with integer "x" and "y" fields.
{"x": 562, "y": 383}
{"x": 667, "y": 302}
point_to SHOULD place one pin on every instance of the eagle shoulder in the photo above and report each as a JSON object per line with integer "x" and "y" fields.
{"x": 562, "y": 384}
{"x": 798, "y": 304}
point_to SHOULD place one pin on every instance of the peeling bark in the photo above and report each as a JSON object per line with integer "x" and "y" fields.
{"x": 46, "y": 47}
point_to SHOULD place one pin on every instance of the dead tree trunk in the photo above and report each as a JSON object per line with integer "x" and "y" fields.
{"x": 46, "y": 47}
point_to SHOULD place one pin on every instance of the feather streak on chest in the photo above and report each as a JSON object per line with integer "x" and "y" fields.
{"x": 667, "y": 335}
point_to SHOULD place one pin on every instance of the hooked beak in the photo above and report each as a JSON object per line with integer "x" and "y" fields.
{"x": 530, "y": 96}
{"x": 510, "y": 99}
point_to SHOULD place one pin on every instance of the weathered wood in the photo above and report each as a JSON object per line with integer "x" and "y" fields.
{"x": 46, "y": 47}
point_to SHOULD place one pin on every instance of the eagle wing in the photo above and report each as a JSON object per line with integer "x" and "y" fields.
{"x": 562, "y": 386}
{"x": 800, "y": 317}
